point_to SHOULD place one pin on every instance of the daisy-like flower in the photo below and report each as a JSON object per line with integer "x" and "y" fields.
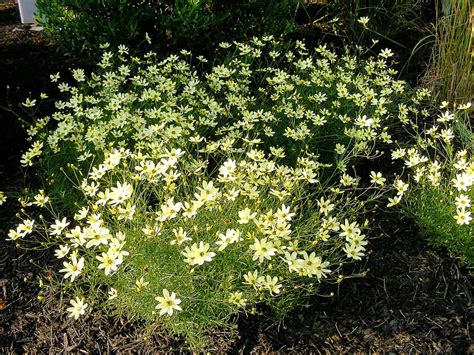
{"x": 238, "y": 299}
{"x": 401, "y": 187}
{"x": 282, "y": 229}
{"x": 465, "y": 106}
{"x": 180, "y": 236}
{"x": 97, "y": 172}
{"x": 294, "y": 264}
{"x": 321, "y": 268}
{"x": 78, "y": 75}
{"x": 340, "y": 148}
{"x": 190, "y": 209}
{"x": 461, "y": 164}
{"x": 169, "y": 210}
{"x": 97, "y": 235}
{"x": 141, "y": 284}
{"x": 462, "y": 182}
{"x": 13, "y": 234}
{"x": 353, "y": 252}
{"x": 168, "y": 303}
{"x": 447, "y": 134}
{"x": 73, "y": 268}
{"x": 198, "y": 254}
{"x": 446, "y": 116}
{"x": 251, "y": 279}
{"x": 330, "y": 223}
{"x": 3, "y": 198}
{"x": 58, "y": 226}
{"x": 263, "y": 249}
{"x": 393, "y": 201}
{"x": 41, "y": 199}
{"x": 347, "y": 180}
{"x": 246, "y": 215}
{"x": 313, "y": 265}
{"x": 386, "y": 53}
{"x": 207, "y": 193}
{"x": 116, "y": 247}
{"x": 349, "y": 230}
{"x": 463, "y": 201}
{"x": 227, "y": 169}
{"x": 54, "y": 77}
{"x": 232, "y": 194}
{"x": 29, "y": 103}
{"x": 364, "y": 20}
{"x": 120, "y": 194}
{"x": 463, "y": 217}
{"x": 377, "y": 178}
{"x": 398, "y": 153}
{"x": 284, "y": 213}
{"x": 271, "y": 284}
{"x": 78, "y": 308}
{"x": 82, "y": 213}
{"x": 26, "y": 227}
{"x": 112, "y": 293}
{"x": 364, "y": 121}
{"x": 230, "y": 236}
{"x": 325, "y": 206}
{"x": 62, "y": 251}
{"x": 359, "y": 241}
{"x": 108, "y": 262}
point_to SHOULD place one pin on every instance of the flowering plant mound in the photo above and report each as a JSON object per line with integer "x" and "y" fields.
{"x": 200, "y": 195}
{"x": 441, "y": 166}
{"x": 336, "y": 107}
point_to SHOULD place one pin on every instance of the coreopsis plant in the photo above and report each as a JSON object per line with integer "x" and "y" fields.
{"x": 187, "y": 197}
{"x": 169, "y": 243}
{"x": 3, "y": 198}
{"x": 333, "y": 106}
{"x": 441, "y": 174}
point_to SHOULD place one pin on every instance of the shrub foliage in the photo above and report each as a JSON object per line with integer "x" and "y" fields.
{"x": 197, "y": 25}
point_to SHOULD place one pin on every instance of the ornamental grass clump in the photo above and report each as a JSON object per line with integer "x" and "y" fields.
{"x": 188, "y": 197}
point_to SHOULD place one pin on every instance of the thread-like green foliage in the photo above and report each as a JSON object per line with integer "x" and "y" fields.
{"x": 440, "y": 199}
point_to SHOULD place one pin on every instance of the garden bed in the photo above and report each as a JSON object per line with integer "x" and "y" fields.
{"x": 413, "y": 298}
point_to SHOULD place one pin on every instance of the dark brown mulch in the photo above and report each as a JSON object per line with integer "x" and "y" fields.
{"x": 413, "y": 298}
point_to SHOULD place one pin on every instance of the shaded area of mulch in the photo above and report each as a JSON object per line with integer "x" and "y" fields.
{"x": 413, "y": 298}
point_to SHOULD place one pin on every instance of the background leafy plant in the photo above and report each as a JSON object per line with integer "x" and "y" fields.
{"x": 389, "y": 21}
{"x": 80, "y": 26}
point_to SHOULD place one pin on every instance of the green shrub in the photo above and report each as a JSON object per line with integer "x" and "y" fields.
{"x": 171, "y": 25}
{"x": 206, "y": 195}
